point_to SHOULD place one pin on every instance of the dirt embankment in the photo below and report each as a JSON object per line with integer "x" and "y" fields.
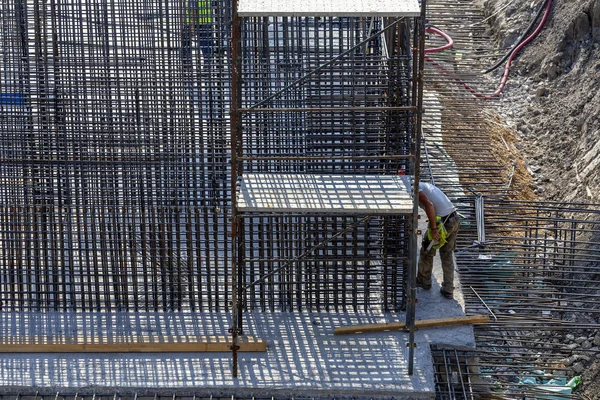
{"x": 553, "y": 95}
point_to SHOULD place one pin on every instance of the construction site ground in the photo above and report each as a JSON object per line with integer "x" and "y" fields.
{"x": 534, "y": 151}
{"x": 303, "y": 355}
{"x": 553, "y": 106}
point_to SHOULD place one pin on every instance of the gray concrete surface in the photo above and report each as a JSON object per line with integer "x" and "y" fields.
{"x": 303, "y": 356}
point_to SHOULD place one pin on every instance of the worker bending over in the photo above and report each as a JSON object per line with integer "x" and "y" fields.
{"x": 443, "y": 224}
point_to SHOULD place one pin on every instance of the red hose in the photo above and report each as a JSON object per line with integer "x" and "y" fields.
{"x": 508, "y": 62}
{"x": 442, "y": 34}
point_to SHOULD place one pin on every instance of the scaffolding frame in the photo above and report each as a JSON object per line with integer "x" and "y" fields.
{"x": 238, "y": 158}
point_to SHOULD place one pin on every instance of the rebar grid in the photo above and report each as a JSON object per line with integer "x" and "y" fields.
{"x": 485, "y": 373}
{"x": 536, "y": 276}
{"x": 538, "y": 264}
{"x": 115, "y": 154}
{"x": 539, "y": 255}
{"x": 348, "y": 272}
{"x": 279, "y": 51}
{"x": 352, "y": 116}
{"x": 113, "y": 160}
{"x": 536, "y": 270}
{"x": 456, "y": 131}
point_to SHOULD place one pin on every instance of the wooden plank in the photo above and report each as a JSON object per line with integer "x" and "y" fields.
{"x": 209, "y": 344}
{"x": 424, "y": 323}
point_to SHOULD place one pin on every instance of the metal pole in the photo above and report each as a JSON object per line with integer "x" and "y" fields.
{"x": 236, "y": 133}
{"x": 418, "y": 52}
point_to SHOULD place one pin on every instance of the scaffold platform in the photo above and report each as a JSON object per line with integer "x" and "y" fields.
{"x": 325, "y": 193}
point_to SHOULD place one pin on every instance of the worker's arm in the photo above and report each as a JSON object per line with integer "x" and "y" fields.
{"x": 430, "y": 211}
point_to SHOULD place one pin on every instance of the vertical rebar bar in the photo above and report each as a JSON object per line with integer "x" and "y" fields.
{"x": 236, "y": 141}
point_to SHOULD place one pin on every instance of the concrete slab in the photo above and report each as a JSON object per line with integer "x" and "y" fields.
{"x": 329, "y": 8}
{"x": 303, "y": 356}
{"x": 308, "y": 193}
{"x": 431, "y": 304}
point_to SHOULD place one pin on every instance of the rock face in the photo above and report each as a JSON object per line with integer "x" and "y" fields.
{"x": 562, "y": 69}
{"x": 595, "y": 14}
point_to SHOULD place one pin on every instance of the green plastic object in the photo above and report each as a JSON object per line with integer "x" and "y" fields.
{"x": 574, "y": 381}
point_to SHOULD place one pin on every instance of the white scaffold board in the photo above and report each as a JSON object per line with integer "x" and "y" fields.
{"x": 340, "y": 194}
{"x": 329, "y": 8}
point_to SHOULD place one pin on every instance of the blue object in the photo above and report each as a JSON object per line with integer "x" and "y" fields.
{"x": 557, "y": 381}
{"x": 12, "y": 99}
{"x": 529, "y": 380}
{"x": 561, "y": 392}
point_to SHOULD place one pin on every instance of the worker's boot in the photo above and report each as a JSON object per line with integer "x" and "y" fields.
{"x": 422, "y": 284}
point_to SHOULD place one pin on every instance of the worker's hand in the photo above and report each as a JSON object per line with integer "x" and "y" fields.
{"x": 435, "y": 235}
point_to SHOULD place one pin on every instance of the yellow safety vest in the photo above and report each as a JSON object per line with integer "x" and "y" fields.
{"x": 203, "y": 12}
{"x": 441, "y": 230}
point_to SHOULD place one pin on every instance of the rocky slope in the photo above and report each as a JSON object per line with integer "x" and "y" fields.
{"x": 553, "y": 96}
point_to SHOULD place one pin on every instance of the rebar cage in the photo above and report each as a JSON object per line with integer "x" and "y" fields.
{"x": 536, "y": 275}
{"x": 315, "y": 92}
{"x": 113, "y": 168}
{"x": 115, "y": 158}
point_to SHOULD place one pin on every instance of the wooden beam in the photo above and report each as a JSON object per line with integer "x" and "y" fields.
{"x": 424, "y": 323}
{"x": 106, "y": 345}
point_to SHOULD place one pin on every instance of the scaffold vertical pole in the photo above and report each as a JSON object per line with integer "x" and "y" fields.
{"x": 418, "y": 54}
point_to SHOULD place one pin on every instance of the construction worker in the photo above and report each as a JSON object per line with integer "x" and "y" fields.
{"x": 443, "y": 225}
{"x": 198, "y": 24}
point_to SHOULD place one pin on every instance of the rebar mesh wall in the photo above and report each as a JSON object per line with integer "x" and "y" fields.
{"x": 364, "y": 266}
{"x": 113, "y": 163}
{"x": 115, "y": 160}
{"x": 539, "y": 255}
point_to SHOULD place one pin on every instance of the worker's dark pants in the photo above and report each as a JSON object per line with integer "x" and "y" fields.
{"x": 446, "y": 254}
{"x": 204, "y": 36}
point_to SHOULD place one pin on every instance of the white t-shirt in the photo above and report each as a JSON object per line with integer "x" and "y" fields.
{"x": 443, "y": 205}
